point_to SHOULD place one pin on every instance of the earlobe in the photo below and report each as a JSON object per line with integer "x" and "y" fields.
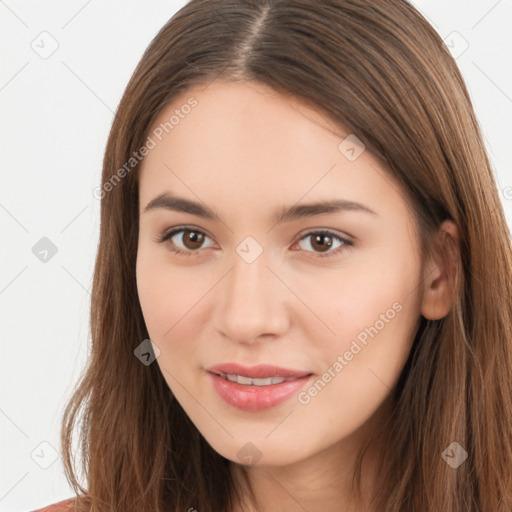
{"x": 439, "y": 275}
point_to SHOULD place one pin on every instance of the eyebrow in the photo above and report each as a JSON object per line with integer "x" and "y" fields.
{"x": 286, "y": 214}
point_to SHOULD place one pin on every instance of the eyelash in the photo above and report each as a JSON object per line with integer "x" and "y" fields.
{"x": 164, "y": 237}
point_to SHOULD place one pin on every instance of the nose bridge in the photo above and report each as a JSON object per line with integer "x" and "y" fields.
{"x": 251, "y": 299}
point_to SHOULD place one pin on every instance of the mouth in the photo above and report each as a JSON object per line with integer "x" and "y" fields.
{"x": 249, "y": 381}
{"x": 265, "y": 386}
{"x": 258, "y": 374}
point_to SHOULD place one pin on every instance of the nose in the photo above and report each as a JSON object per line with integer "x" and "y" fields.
{"x": 252, "y": 302}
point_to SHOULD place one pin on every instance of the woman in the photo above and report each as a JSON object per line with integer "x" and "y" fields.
{"x": 302, "y": 293}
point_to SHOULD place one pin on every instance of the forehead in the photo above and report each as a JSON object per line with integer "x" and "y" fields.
{"x": 239, "y": 123}
{"x": 244, "y": 142}
{"x": 242, "y": 100}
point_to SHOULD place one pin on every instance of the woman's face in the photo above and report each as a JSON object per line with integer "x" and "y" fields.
{"x": 260, "y": 282}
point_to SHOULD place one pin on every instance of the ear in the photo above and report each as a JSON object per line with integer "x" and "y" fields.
{"x": 439, "y": 275}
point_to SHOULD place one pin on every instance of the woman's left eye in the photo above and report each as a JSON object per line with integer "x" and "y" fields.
{"x": 322, "y": 239}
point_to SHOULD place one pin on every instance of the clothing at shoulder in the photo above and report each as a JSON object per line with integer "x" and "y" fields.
{"x": 61, "y": 506}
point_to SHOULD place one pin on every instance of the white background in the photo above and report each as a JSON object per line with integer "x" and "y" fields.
{"x": 56, "y": 114}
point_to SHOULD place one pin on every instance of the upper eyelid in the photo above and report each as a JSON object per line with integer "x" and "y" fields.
{"x": 309, "y": 231}
{"x": 169, "y": 233}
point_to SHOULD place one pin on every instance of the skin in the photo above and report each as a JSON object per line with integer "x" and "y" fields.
{"x": 245, "y": 151}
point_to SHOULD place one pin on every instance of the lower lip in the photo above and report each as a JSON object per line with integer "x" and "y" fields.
{"x": 256, "y": 398}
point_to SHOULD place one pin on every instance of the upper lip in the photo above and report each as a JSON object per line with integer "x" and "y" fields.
{"x": 259, "y": 371}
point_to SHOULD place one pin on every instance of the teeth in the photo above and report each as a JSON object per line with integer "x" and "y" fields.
{"x": 248, "y": 381}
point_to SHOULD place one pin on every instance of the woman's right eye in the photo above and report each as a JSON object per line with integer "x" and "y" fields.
{"x": 194, "y": 237}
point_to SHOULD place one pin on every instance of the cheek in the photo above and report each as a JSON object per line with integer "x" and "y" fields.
{"x": 165, "y": 300}
{"x": 165, "y": 294}
{"x": 358, "y": 367}
{"x": 174, "y": 300}
{"x": 371, "y": 306}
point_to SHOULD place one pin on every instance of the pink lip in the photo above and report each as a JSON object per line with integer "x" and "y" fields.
{"x": 259, "y": 371}
{"x": 256, "y": 398}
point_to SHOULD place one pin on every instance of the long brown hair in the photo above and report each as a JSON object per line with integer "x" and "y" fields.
{"x": 380, "y": 70}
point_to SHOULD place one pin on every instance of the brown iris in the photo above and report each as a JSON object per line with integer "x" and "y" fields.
{"x": 323, "y": 246}
{"x": 194, "y": 238}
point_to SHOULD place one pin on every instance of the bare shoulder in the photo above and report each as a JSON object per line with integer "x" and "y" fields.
{"x": 61, "y": 506}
